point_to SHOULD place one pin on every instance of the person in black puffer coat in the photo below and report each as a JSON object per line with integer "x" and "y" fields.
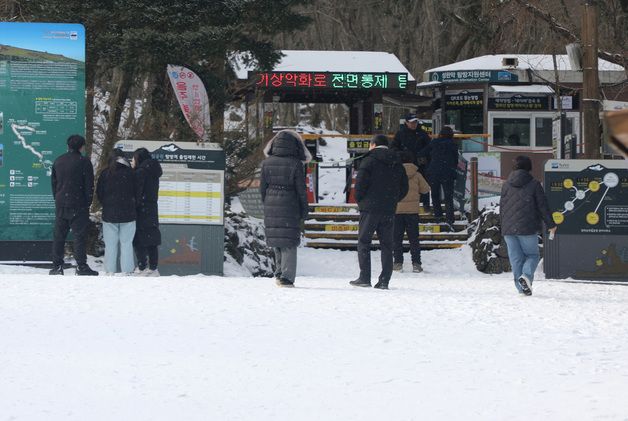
{"x": 147, "y": 234}
{"x": 381, "y": 183}
{"x": 523, "y": 208}
{"x": 441, "y": 172}
{"x": 282, "y": 186}
{"x": 116, "y": 193}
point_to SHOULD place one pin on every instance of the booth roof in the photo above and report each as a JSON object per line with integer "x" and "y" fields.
{"x": 328, "y": 61}
{"x": 526, "y": 61}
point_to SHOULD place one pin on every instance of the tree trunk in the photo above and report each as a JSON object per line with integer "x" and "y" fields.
{"x": 116, "y": 106}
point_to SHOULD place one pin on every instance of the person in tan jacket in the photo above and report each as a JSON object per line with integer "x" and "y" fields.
{"x": 407, "y": 215}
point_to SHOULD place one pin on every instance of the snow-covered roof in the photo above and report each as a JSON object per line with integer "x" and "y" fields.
{"x": 526, "y": 61}
{"x": 523, "y": 89}
{"x": 329, "y": 61}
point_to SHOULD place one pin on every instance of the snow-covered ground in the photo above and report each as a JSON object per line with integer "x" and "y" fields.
{"x": 447, "y": 344}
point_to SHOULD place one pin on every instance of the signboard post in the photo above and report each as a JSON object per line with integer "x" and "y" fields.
{"x": 589, "y": 203}
{"x": 42, "y": 102}
{"x": 191, "y": 205}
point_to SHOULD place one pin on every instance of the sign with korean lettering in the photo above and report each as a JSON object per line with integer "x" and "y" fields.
{"x": 588, "y": 200}
{"x": 358, "y": 145}
{"x": 464, "y": 100}
{"x": 192, "y": 98}
{"x": 331, "y": 80}
{"x": 471, "y": 76}
{"x": 519, "y": 102}
{"x": 42, "y": 102}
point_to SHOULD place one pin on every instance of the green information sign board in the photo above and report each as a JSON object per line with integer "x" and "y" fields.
{"x": 42, "y": 102}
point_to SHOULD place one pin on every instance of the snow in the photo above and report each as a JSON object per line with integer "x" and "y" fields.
{"x": 526, "y": 61}
{"x": 328, "y": 61}
{"x": 525, "y": 89}
{"x": 446, "y": 344}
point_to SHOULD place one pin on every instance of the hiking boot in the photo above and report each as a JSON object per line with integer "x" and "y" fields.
{"x": 360, "y": 283}
{"x": 284, "y": 283}
{"x": 397, "y": 267}
{"x": 525, "y": 287}
{"x": 416, "y": 268}
{"x": 85, "y": 270}
{"x": 381, "y": 285}
{"x": 56, "y": 270}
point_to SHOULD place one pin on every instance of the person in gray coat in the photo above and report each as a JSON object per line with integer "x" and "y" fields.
{"x": 282, "y": 186}
{"x": 523, "y": 208}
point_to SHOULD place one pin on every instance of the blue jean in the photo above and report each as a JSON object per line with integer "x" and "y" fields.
{"x": 523, "y": 253}
{"x": 119, "y": 236}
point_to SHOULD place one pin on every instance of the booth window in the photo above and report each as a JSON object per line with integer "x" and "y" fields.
{"x": 512, "y": 131}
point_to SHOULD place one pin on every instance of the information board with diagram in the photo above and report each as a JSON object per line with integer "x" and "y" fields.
{"x": 589, "y": 204}
{"x": 42, "y": 103}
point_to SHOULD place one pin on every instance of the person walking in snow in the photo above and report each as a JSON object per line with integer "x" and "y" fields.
{"x": 381, "y": 183}
{"x": 282, "y": 186}
{"x": 407, "y": 215}
{"x": 441, "y": 172}
{"x": 523, "y": 208}
{"x": 147, "y": 234}
{"x": 73, "y": 189}
{"x": 116, "y": 193}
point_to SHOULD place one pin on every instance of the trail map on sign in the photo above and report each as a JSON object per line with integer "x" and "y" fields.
{"x": 42, "y": 103}
{"x": 591, "y": 201}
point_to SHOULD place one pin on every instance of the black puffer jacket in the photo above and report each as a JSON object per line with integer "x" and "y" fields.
{"x": 116, "y": 193}
{"x": 72, "y": 181}
{"x": 411, "y": 140}
{"x": 523, "y": 205}
{"x": 443, "y": 158}
{"x": 381, "y": 182}
{"x": 282, "y": 185}
{"x": 147, "y": 193}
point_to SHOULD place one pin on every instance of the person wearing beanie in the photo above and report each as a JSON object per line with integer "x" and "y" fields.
{"x": 73, "y": 189}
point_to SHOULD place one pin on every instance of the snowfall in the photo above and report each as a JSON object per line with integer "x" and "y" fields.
{"x": 447, "y": 344}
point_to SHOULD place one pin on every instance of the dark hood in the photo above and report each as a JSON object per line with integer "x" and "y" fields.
{"x": 285, "y": 144}
{"x": 152, "y": 167}
{"x": 519, "y": 178}
{"x": 384, "y": 155}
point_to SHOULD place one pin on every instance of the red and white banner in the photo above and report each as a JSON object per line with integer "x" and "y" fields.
{"x": 192, "y": 98}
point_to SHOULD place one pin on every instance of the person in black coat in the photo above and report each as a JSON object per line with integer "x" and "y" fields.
{"x": 116, "y": 193}
{"x": 381, "y": 183}
{"x": 147, "y": 234}
{"x": 72, "y": 180}
{"x": 411, "y": 137}
{"x": 523, "y": 208}
{"x": 441, "y": 172}
{"x": 282, "y": 186}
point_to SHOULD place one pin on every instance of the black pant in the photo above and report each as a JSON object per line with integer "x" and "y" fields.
{"x": 77, "y": 220}
{"x": 146, "y": 255}
{"x": 448, "y": 189}
{"x": 425, "y": 200}
{"x": 383, "y": 225}
{"x": 407, "y": 223}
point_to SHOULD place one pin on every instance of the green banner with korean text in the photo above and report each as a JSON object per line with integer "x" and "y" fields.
{"x": 42, "y": 102}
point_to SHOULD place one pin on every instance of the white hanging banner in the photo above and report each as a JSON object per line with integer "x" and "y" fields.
{"x": 192, "y": 98}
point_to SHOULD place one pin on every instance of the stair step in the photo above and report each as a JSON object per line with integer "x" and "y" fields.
{"x": 352, "y": 245}
{"x": 353, "y": 226}
{"x": 353, "y": 235}
{"x": 349, "y": 216}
